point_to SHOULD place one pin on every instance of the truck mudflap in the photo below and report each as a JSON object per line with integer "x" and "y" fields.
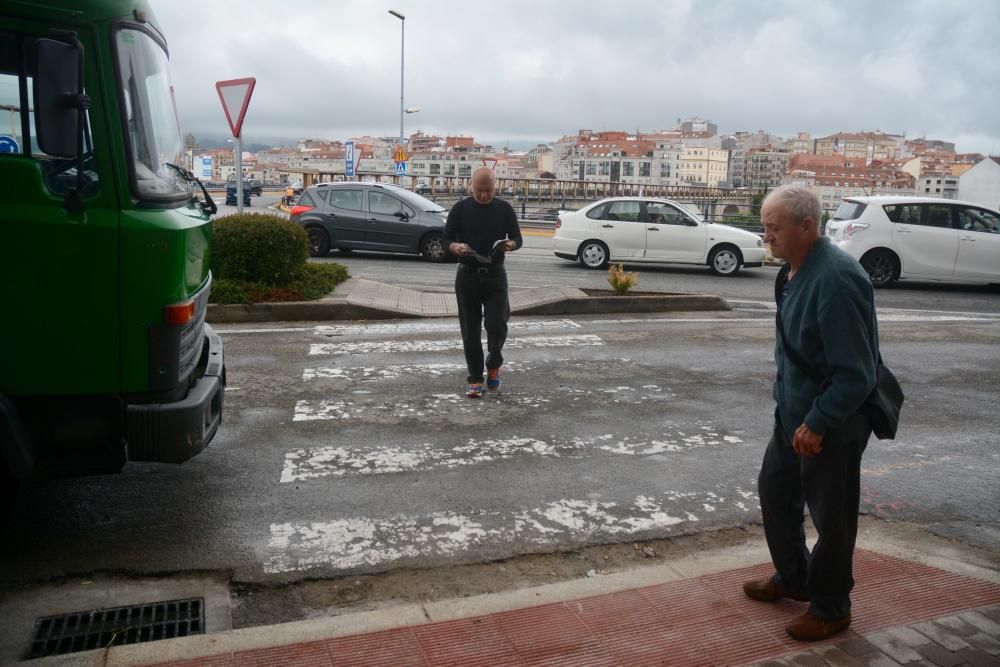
{"x": 174, "y": 432}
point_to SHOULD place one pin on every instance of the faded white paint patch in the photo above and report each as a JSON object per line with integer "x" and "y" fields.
{"x": 302, "y": 464}
{"x": 433, "y": 406}
{"x": 389, "y": 328}
{"x": 359, "y": 542}
{"x": 396, "y": 371}
{"x": 425, "y": 346}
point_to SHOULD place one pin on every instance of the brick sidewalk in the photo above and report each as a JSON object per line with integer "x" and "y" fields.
{"x": 700, "y": 621}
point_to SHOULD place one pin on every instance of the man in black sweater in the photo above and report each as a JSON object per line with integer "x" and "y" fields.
{"x": 474, "y": 228}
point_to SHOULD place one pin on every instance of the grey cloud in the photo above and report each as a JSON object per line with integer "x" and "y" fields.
{"x": 542, "y": 69}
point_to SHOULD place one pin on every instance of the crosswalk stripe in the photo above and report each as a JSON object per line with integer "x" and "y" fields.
{"x": 373, "y": 406}
{"x": 339, "y": 461}
{"x": 389, "y": 347}
{"x": 358, "y": 542}
{"x": 396, "y": 371}
{"x": 383, "y": 328}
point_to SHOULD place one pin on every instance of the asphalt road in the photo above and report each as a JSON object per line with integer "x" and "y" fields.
{"x": 350, "y": 448}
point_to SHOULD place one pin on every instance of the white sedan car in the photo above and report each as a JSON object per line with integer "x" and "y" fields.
{"x": 637, "y": 229}
{"x": 919, "y": 237}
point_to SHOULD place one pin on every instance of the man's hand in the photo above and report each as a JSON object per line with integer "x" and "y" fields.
{"x": 510, "y": 246}
{"x": 460, "y": 249}
{"x": 807, "y": 443}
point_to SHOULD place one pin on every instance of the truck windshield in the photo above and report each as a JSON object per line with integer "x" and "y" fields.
{"x": 150, "y": 117}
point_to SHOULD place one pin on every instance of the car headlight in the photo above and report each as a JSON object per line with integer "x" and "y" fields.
{"x": 760, "y": 243}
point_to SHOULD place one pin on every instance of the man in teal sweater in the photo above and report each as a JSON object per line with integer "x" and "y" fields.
{"x": 826, "y": 311}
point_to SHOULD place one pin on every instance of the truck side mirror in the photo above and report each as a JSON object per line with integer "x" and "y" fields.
{"x": 58, "y": 97}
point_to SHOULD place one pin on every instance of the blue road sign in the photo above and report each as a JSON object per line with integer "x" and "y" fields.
{"x": 401, "y": 169}
{"x": 349, "y": 159}
{"x": 8, "y": 144}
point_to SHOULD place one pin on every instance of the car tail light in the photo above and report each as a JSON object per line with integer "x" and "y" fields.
{"x": 558, "y": 222}
{"x": 179, "y": 313}
{"x": 299, "y": 209}
{"x": 852, "y": 228}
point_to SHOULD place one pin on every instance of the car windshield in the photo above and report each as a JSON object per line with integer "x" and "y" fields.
{"x": 415, "y": 200}
{"x": 849, "y": 210}
{"x": 150, "y": 117}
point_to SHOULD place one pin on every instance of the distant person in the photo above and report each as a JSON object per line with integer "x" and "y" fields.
{"x": 826, "y": 320}
{"x": 480, "y": 229}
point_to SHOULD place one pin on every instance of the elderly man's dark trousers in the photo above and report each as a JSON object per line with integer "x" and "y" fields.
{"x": 479, "y": 293}
{"x": 829, "y": 484}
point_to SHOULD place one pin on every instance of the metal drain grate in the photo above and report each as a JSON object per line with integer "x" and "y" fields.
{"x": 86, "y": 630}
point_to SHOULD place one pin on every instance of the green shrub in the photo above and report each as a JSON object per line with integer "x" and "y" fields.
{"x": 259, "y": 248}
{"x": 315, "y": 282}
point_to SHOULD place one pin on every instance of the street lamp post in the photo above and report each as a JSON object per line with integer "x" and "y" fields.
{"x": 402, "y": 56}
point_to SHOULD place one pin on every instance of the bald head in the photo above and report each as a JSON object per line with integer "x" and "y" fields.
{"x": 484, "y": 185}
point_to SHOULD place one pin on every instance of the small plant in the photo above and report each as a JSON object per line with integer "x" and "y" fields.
{"x": 620, "y": 280}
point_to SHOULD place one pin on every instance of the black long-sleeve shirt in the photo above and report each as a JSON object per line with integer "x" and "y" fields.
{"x": 481, "y": 225}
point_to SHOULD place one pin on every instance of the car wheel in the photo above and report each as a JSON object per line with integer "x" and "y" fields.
{"x": 725, "y": 261}
{"x": 319, "y": 242}
{"x": 594, "y": 255}
{"x": 881, "y": 266}
{"x": 432, "y": 248}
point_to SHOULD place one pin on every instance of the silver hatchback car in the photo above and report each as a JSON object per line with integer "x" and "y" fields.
{"x": 370, "y": 216}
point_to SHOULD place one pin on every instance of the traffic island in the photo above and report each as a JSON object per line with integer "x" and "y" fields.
{"x": 367, "y": 299}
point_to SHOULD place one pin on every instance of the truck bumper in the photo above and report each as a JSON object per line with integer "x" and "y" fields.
{"x": 174, "y": 432}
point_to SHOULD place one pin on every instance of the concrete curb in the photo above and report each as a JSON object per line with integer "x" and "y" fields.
{"x": 346, "y": 304}
{"x": 899, "y": 540}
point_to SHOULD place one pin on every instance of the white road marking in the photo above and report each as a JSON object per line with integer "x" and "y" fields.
{"x": 449, "y": 405}
{"x": 396, "y": 371}
{"x": 311, "y": 463}
{"x": 355, "y": 542}
{"x": 391, "y": 347}
{"x": 431, "y": 326}
{"x": 259, "y": 331}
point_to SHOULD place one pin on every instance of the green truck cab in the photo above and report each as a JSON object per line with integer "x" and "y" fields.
{"x": 105, "y": 243}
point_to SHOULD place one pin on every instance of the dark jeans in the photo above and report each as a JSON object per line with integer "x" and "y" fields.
{"x": 830, "y": 485}
{"x": 480, "y": 292}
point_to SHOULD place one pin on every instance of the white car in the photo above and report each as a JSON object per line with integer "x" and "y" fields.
{"x": 638, "y": 229}
{"x": 919, "y": 237}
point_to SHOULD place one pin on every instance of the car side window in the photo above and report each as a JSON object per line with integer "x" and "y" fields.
{"x": 904, "y": 214}
{"x": 307, "y": 199}
{"x": 936, "y": 215}
{"x": 624, "y": 211}
{"x": 382, "y": 203}
{"x": 665, "y": 214}
{"x": 978, "y": 220}
{"x": 597, "y": 213}
{"x": 349, "y": 200}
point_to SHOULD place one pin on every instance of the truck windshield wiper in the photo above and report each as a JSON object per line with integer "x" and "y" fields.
{"x": 207, "y": 206}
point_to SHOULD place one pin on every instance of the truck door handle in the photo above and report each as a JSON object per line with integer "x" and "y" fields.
{"x": 608, "y": 226}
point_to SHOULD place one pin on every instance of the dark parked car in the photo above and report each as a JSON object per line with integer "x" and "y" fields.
{"x": 256, "y": 187}
{"x": 424, "y": 189}
{"x": 370, "y": 216}
{"x": 231, "y": 194}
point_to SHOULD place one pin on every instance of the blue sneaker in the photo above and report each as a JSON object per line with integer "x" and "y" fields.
{"x": 493, "y": 380}
{"x": 474, "y": 390}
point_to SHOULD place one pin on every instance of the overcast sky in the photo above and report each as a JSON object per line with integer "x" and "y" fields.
{"x": 524, "y": 70}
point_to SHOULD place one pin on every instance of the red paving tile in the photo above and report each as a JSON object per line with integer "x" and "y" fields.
{"x": 701, "y": 621}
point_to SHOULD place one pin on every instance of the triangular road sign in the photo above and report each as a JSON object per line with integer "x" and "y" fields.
{"x": 490, "y": 162}
{"x": 235, "y": 97}
{"x": 399, "y": 155}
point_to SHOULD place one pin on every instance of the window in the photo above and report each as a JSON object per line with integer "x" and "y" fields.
{"x": 850, "y": 210}
{"x": 150, "y": 117}
{"x": 936, "y": 215}
{"x": 307, "y": 199}
{"x": 591, "y": 168}
{"x": 978, "y": 220}
{"x": 59, "y": 174}
{"x": 626, "y": 211}
{"x": 597, "y": 213}
{"x": 382, "y": 203}
{"x": 604, "y": 168}
{"x": 665, "y": 214}
{"x": 644, "y": 169}
{"x": 346, "y": 199}
{"x": 628, "y": 168}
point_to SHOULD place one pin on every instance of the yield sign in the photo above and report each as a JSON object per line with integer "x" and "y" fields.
{"x": 490, "y": 163}
{"x": 235, "y": 97}
{"x": 399, "y": 155}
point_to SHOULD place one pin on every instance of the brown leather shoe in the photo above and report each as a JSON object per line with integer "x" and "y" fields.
{"x": 767, "y": 590}
{"x": 809, "y": 628}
